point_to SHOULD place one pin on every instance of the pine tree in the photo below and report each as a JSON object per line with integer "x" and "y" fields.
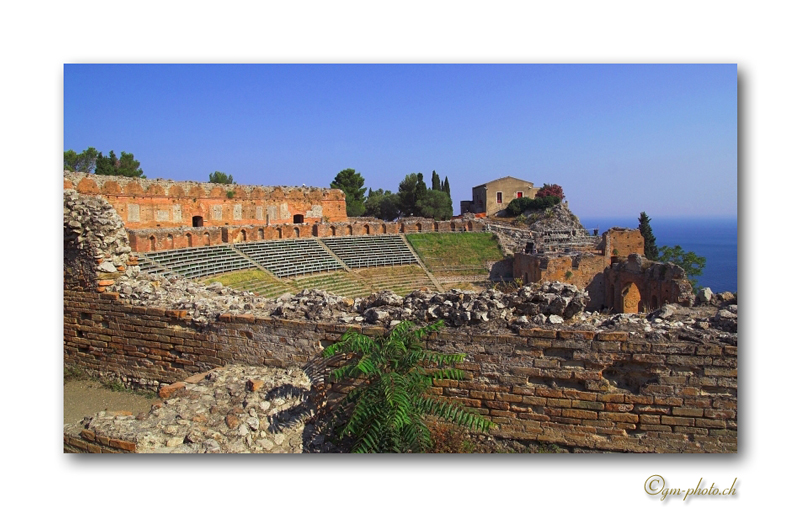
{"x": 650, "y": 249}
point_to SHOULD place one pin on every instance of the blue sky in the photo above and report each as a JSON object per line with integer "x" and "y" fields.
{"x": 620, "y": 139}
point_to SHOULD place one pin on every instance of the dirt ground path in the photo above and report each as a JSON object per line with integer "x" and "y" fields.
{"x": 86, "y": 397}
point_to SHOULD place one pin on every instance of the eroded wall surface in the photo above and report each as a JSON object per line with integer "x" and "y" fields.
{"x": 595, "y": 390}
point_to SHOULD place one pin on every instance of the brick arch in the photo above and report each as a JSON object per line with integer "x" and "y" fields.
{"x": 217, "y": 191}
{"x": 257, "y": 193}
{"x": 366, "y": 229}
{"x": 87, "y": 186}
{"x": 155, "y": 190}
{"x": 176, "y": 191}
{"x": 111, "y": 188}
{"x": 238, "y": 193}
{"x": 630, "y": 299}
{"x": 197, "y": 192}
{"x": 133, "y": 188}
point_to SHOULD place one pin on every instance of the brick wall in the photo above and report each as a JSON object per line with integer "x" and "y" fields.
{"x": 160, "y": 203}
{"x": 595, "y": 390}
{"x": 146, "y": 240}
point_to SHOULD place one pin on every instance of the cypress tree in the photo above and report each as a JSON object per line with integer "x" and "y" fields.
{"x": 446, "y": 187}
{"x": 436, "y": 184}
{"x": 650, "y": 249}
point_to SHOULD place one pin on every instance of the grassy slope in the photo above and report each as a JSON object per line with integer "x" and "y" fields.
{"x": 467, "y": 250}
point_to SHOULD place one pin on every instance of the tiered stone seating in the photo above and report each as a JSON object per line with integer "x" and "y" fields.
{"x": 371, "y": 251}
{"x": 341, "y": 283}
{"x": 400, "y": 279}
{"x": 195, "y": 262}
{"x": 290, "y": 257}
{"x": 254, "y": 280}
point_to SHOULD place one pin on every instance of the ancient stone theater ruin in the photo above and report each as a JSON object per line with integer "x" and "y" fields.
{"x": 221, "y": 297}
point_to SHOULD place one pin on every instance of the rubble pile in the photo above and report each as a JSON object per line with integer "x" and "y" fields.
{"x": 235, "y": 409}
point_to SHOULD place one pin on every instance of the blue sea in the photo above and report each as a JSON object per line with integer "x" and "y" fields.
{"x": 715, "y": 239}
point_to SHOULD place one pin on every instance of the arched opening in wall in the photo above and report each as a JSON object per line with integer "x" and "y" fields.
{"x": 366, "y": 230}
{"x": 188, "y": 240}
{"x": 243, "y": 235}
{"x": 402, "y": 228}
{"x": 333, "y": 231}
{"x": 349, "y": 230}
{"x": 419, "y": 228}
{"x": 197, "y": 221}
{"x": 152, "y": 243}
{"x": 206, "y": 238}
{"x": 452, "y": 226}
{"x": 297, "y": 219}
{"x": 469, "y": 225}
{"x": 170, "y": 242}
{"x": 631, "y": 299}
{"x": 261, "y": 233}
{"x": 436, "y": 226}
{"x": 383, "y": 228}
{"x": 296, "y": 232}
{"x": 280, "y": 232}
{"x": 654, "y": 302}
{"x": 315, "y": 230}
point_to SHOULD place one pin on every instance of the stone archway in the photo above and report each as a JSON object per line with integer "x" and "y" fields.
{"x": 631, "y": 299}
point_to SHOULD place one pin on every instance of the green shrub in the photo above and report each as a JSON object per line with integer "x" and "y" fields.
{"x": 523, "y": 204}
{"x": 387, "y": 408}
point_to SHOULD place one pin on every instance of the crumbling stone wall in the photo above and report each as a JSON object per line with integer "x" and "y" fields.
{"x": 622, "y": 242}
{"x": 590, "y": 389}
{"x": 637, "y": 284}
{"x": 628, "y": 290}
{"x": 160, "y": 203}
{"x": 96, "y": 250}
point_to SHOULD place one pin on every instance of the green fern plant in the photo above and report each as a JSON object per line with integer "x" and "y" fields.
{"x": 387, "y": 408}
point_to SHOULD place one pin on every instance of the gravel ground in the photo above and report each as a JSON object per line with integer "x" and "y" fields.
{"x": 87, "y": 397}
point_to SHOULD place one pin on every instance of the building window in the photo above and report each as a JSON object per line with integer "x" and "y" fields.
{"x": 499, "y": 197}
{"x": 519, "y": 195}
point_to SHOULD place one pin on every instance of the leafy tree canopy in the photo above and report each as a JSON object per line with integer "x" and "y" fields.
{"x": 435, "y": 204}
{"x": 220, "y": 178}
{"x": 692, "y": 264}
{"x": 386, "y": 410}
{"x": 83, "y": 162}
{"x": 551, "y": 190}
{"x": 382, "y": 204}
{"x": 352, "y": 184}
{"x": 407, "y": 195}
{"x": 650, "y": 249}
{"x": 109, "y": 165}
